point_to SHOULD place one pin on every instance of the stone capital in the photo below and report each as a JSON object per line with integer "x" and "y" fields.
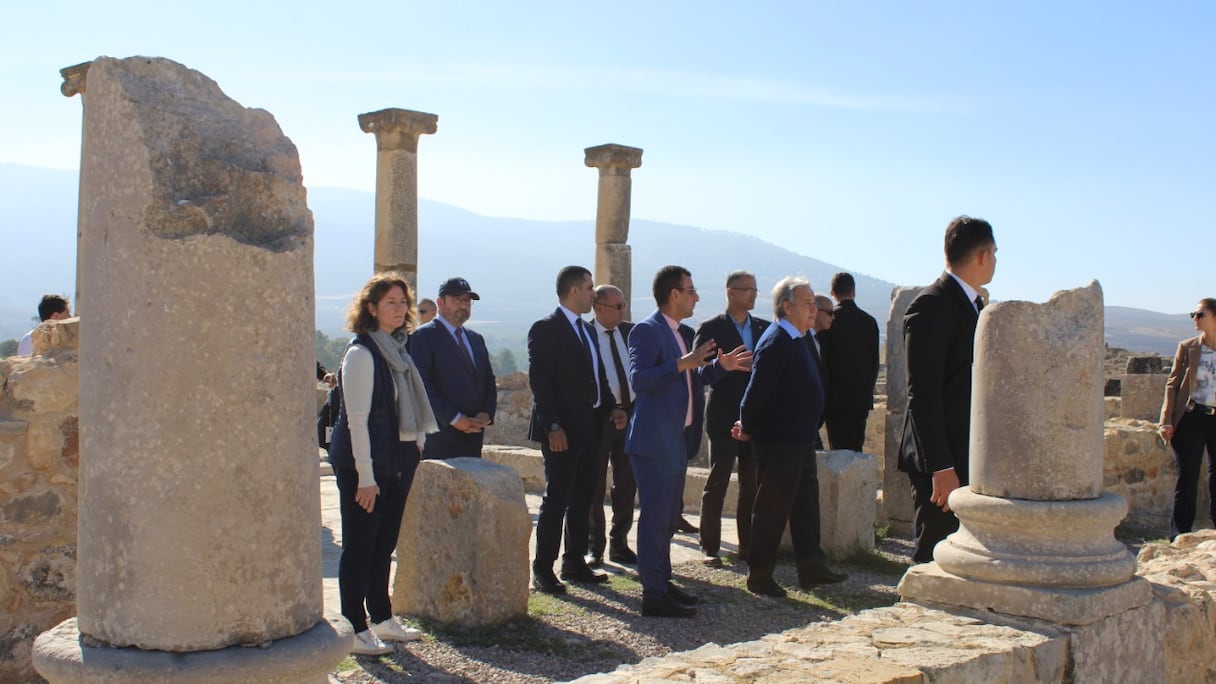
{"x": 73, "y": 79}
{"x": 613, "y": 159}
{"x": 398, "y": 129}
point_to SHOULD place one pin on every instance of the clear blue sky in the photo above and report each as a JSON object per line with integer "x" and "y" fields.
{"x": 850, "y": 132}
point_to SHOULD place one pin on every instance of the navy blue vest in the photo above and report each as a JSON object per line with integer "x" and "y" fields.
{"x": 388, "y": 451}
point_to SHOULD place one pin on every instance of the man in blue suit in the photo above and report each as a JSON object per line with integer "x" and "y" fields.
{"x": 454, "y": 364}
{"x": 668, "y": 376}
{"x": 780, "y": 415}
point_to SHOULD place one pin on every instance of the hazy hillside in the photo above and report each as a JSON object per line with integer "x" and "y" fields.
{"x": 510, "y": 262}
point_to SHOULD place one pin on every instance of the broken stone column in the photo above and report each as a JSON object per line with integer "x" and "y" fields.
{"x": 462, "y": 555}
{"x": 613, "y": 259}
{"x": 1036, "y": 535}
{"x": 74, "y": 83}
{"x": 199, "y": 515}
{"x": 1142, "y": 387}
{"x": 397, "y": 132}
{"x": 896, "y": 490}
{"x": 1036, "y": 531}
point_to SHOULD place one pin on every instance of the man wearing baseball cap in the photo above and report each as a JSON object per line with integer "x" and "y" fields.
{"x": 455, "y": 367}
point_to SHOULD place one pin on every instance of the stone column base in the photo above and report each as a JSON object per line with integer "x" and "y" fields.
{"x": 929, "y": 584}
{"x": 60, "y": 655}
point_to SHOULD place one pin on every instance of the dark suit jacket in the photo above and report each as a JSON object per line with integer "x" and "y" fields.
{"x": 563, "y": 382}
{"x": 722, "y": 407}
{"x": 784, "y": 399}
{"x": 851, "y": 356}
{"x": 1182, "y": 380}
{"x": 939, "y": 339}
{"x": 450, "y": 384}
{"x": 656, "y": 428}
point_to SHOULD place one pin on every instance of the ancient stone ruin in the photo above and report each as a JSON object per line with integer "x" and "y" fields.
{"x": 613, "y": 259}
{"x": 194, "y": 223}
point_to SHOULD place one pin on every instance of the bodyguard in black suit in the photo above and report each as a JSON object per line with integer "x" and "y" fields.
{"x": 817, "y": 343}
{"x": 732, "y": 329}
{"x": 570, "y": 410}
{"x": 939, "y": 340}
{"x": 780, "y": 415}
{"x": 612, "y": 336}
{"x": 454, "y": 364}
{"x": 852, "y": 363}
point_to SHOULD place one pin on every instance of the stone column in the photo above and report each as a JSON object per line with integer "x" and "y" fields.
{"x": 199, "y": 514}
{"x": 74, "y": 78}
{"x": 397, "y": 132}
{"x": 896, "y": 490}
{"x": 613, "y": 259}
{"x": 1036, "y": 536}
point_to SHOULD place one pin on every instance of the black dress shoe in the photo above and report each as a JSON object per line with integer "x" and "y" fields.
{"x": 765, "y": 587}
{"x": 666, "y": 607}
{"x": 714, "y": 561}
{"x": 687, "y": 527}
{"x": 816, "y": 572}
{"x": 623, "y": 555}
{"x": 681, "y": 596}
{"x": 584, "y": 575}
{"x": 546, "y": 583}
{"x": 595, "y": 561}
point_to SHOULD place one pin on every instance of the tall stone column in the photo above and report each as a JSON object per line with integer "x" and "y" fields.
{"x": 613, "y": 259}
{"x": 199, "y": 515}
{"x": 74, "y": 78}
{"x": 1036, "y": 535}
{"x": 397, "y": 132}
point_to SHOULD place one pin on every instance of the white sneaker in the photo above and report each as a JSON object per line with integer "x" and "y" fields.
{"x": 391, "y": 630}
{"x": 367, "y": 643}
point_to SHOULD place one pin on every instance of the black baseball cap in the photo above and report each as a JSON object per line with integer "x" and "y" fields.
{"x": 456, "y": 287}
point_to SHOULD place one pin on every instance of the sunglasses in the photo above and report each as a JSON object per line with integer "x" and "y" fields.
{"x": 1196, "y": 315}
{"x": 618, "y": 307}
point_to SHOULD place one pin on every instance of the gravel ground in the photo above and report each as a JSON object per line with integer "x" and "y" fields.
{"x": 596, "y": 628}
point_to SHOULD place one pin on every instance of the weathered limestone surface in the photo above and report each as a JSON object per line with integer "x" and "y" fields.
{"x": 201, "y": 200}
{"x": 613, "y": 258}
{"x": 481, "y": 581}
{"x": 897, "y": 492}
{"x": 510, "y": 426}
{"x": 1142, "y": 395}
{"x": 1139, "y": 467}
{"x": 1183, "y": 577}
{"x": 902, "y": 643}
{"x": 397, "y": 132}
{"x": 39, "y": 454}
{"x": 848, "y": 482}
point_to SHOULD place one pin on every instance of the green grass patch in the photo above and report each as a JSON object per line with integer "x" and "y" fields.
{"x": 540, "y": 604}
{"x": 348, "y": 663}
{"x": 521, "y": 634}
{"x": 881, "y": 532}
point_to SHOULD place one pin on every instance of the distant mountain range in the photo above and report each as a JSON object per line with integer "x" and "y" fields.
{"x": 511, "y": 263}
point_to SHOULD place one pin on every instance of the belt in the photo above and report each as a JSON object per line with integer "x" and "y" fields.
{"x": 1193, "y": 407}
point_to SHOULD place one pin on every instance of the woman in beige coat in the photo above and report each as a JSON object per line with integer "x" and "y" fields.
{"x": 1188, "y": 415}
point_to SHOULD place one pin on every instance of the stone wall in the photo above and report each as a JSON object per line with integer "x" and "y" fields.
{"x": 39, "y": 455}
{"x": 1139, "y": 467}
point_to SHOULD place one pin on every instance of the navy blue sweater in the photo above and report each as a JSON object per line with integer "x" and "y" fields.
{"x": 784, "y": 397}
{"x": 388, "y": 452}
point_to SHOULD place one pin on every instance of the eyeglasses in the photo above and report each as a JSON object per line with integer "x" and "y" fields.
{"x": 829, "y": 312}
{"x": 744, "y": 289}
{"x": 618, "y": 307}
{"x": 1196, "y": 315}
{"x": 687, "y": 289}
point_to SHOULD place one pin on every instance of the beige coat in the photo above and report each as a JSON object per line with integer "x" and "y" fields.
{"x": 1181, "y": 382}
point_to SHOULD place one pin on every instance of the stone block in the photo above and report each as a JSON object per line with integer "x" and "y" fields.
{"x": 1142, "y": 396}
{"x": 896, "y": 490}
{"x": 1183, "y": 578}
{"x": 848, "y": 482}
{"x": 1147, "y": 365}
{"x": 462, "y": 556}
{"x": 52, "y": 338}
{"x": 12, "y": 440}
{"x": 1112, "y": 407}
{"x": 510, "y": 426}
{"x": 1126, "y": 647}
{"x": 527, "y": 463}
{"x": 1138, "y": 466}
{"x": 44, "y": 384}
{"x": 897, "y": 363}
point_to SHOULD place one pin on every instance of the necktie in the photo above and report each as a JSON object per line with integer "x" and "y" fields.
{"x": 468, "y": 356}
{"x": 979, "y": 303}
{"x": 621, "y": 377}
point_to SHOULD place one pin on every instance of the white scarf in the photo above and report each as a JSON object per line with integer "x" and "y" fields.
{"x": 413, "y": 407}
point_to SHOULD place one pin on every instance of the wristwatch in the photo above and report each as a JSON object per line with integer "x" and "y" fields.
{"x": 554, "y": 427}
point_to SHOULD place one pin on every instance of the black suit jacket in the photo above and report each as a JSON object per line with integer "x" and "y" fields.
{"x": 452, "y": 386}
{"x": 563, "y": 381}
{"x": 722, "y": 409}
{"x": 851, "y": 356}
{"x": 939, "y": 339}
